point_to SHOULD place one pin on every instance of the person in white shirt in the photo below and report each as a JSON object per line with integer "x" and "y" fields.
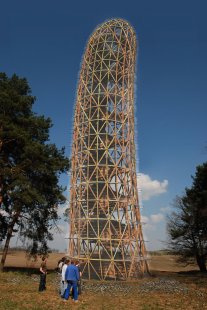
{"x": 63, "y": 282}
{"x": 60, "y": 264}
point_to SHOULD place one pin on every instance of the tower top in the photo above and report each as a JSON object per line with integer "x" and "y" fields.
{"x": 115, "y": 25}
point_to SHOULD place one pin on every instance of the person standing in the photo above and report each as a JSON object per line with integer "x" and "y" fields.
{"x": 80, "y": 274}
{"x": 43, "y": 273}
{"x": 60, "y": 264}
{"x": 72, "y": 277}
{"x": 63, "y": 281}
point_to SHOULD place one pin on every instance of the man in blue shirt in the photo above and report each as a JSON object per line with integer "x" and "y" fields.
{"x": 72, "y": 277}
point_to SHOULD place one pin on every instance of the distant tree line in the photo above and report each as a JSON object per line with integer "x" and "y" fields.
{"x": 30, "y": 168}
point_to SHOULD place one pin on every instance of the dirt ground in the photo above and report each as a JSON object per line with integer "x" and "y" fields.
{"x": 169, "y": 287}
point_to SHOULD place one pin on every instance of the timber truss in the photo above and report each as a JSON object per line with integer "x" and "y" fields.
{"x": 105, "y": 225}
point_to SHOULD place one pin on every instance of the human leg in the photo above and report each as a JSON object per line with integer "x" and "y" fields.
{"x": 79, "y": 287}
{"x": 75, "y": 291}
{"x": 42, "y": 285}
{"x": 45, "y": 281}
{"x": 67, "y": 291}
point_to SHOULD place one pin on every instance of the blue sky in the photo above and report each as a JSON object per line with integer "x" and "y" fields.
{"x": 44, "y": 41}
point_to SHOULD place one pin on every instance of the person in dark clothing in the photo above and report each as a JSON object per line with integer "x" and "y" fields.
{"x": 72, "y": 277}
{"x": 80, "y": 274}
{"x": 43, "y": 273}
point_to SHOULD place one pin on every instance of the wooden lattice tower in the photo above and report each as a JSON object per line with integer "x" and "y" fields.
{"x": 105, "y": 225}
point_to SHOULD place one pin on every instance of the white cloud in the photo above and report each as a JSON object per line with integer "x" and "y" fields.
{"x": 156, "y": 218}
{"x": 145, "y": 219}
{"x": 61, "y": 232}
{"x": 154, "y": 230}
{"x": 151, "y": 187}
{"x": 153, "y": 219}
{"x": 60, "y": 237}
{"x": 62, "y": 208}
{"x": 165, "y": 209}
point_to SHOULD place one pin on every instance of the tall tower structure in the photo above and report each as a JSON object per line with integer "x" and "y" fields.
{"x": 105, "y": 224}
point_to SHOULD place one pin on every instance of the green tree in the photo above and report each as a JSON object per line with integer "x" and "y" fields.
{"x": 187, "y": 228}
{"x": 30, "y": 168}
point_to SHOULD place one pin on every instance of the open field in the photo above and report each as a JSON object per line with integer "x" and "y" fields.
{"x": 170, "y": 287}
{"x": 156, "y": 262}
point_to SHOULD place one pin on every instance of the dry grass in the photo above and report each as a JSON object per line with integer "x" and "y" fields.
{"x": 19, "y": 290}
{"x": 157, "y": 262}
{"x": 20, "y": 260}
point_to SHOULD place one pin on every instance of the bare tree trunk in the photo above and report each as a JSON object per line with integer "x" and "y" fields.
{"x": 201, "y": 262}
{"x": 8, "y": 238}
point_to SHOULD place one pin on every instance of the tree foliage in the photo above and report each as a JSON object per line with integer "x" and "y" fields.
{"x": 187, "y": 228}
{"x": 30, "y": 167}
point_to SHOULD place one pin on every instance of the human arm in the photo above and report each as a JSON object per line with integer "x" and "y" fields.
{"x": 77, "y": 274}
{"x": 42, "y": 270}
{"x": 65, "y": 275}
{"x": 80, "y": 271}
{"x": 63, "y": 272}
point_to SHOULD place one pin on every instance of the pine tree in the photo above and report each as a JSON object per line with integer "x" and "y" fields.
{"x": 30, "y": 167}
{"x": 187, "y": 228}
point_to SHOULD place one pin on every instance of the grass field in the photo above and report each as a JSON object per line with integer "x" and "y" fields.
{"x": 157, "y": 262}
{"x": 170, "y": 287}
